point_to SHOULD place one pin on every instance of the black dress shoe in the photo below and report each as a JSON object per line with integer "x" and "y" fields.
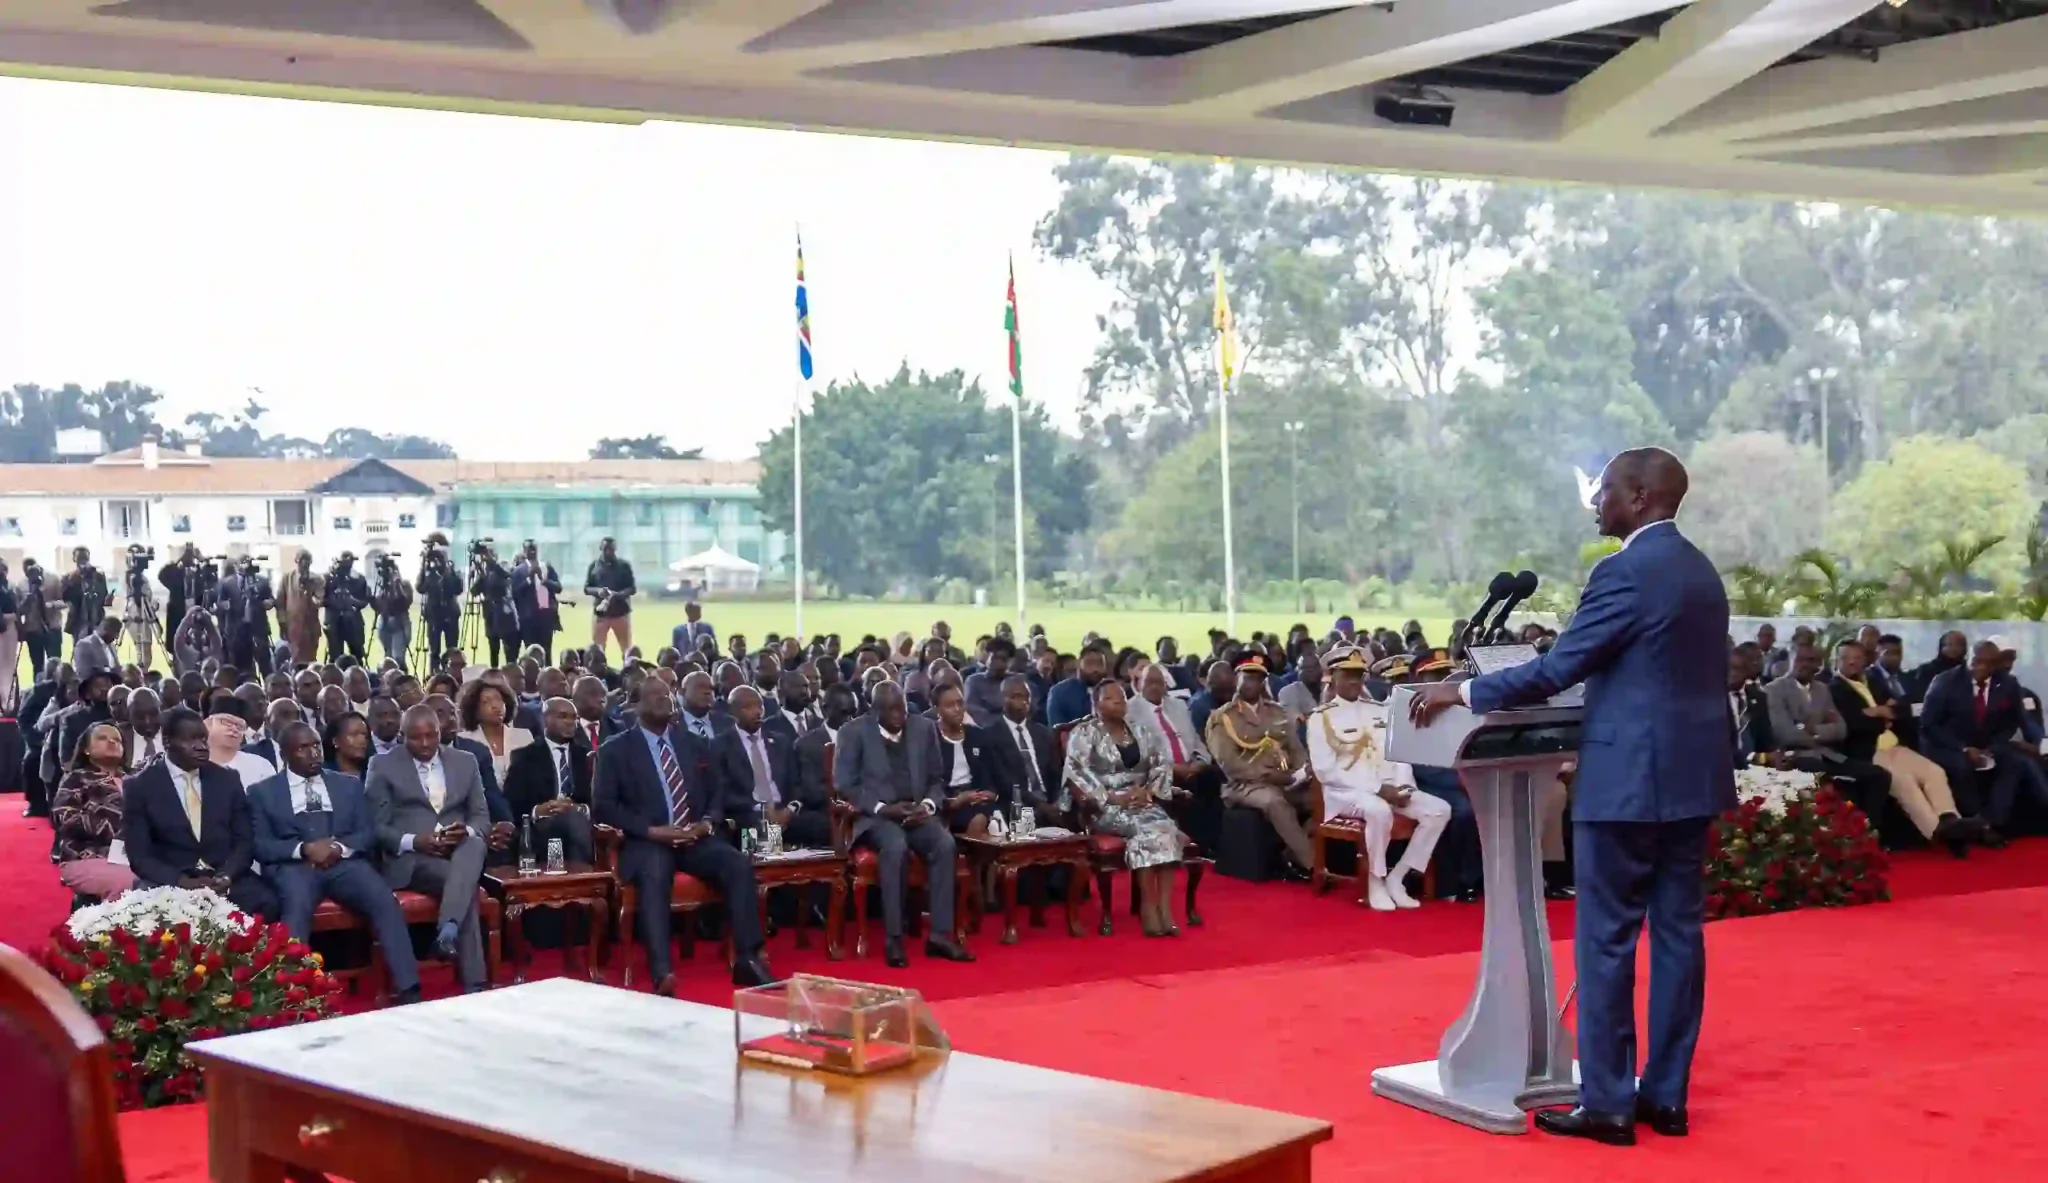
{"x": 752, "y": 971}
{"x": 406, "y": 997}
{"x": 946, "y": 950}
{"x": 1470, "y": 895}
{"x": 1668, "y": 1120}
{"x": 1604, "y": 1128}
{"x": 1991, "y": 838}
{"x": 1294, "y": 872}
{"x": 893, "y": 954}
{"x": 1561, "y": 892}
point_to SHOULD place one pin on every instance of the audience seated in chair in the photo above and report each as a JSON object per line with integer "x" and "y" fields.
{"x": 1116, "y": 776}
{"x": 427, "y": 802}
{"x": 186, "y": 823}
{"x": 86, "y": 812}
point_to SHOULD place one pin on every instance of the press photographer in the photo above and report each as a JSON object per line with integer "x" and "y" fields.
{"x": 537, "y": 598}
{"x": 246, "y": 601}
{"x": 393, "y": 602}
{"x": 347, "y": 594}
{"x": 85, "y": 594}
{"x": 42, "y": 608}
{"x": 491, "y": 586}
{"x": 189, "y": 579}
{"x": 440, "y": 592}
{"x": 609, "y": 584}
{"x": 138, "y": 603}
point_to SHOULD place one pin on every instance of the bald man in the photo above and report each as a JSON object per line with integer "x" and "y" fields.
{"x": 1650, "y": 641}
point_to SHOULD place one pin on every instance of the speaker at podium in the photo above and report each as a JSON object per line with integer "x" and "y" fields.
{"x": 1507, "y": 1053}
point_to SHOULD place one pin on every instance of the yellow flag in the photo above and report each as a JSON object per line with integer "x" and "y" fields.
{"x": 1226, "y": 328}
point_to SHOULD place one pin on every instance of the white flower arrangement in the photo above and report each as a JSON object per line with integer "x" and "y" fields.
{"x": 1775, "y": 785}
{"x": 143, "y": 913}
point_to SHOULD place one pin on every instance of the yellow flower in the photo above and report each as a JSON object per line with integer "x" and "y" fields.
{"x": 319, "y": 960}
{"x": 169, "y": 937}
{"x": 85, "y": 986}
{"x": 223, "y": 1000}
{"x": 103, "y": 940}
{"x": 199, "y": 971}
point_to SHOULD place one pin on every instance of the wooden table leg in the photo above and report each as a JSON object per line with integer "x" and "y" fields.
{"x": 1077, "y": 886}
{"x": 803, "y": 914}
{"x": 515, "y": 936}
{"x": 1007, "y": 875}
{"x": 835, "y": 920}
{"x": 597, "y": 911}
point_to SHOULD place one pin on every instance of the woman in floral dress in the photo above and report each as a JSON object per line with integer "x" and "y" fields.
{"x": 87, "y": 815}
{"x": 1116, "y": 776}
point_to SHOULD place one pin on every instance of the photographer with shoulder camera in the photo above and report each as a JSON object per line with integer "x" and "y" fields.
{"x": 537, "y": 598}
{"x": 440, "y": 591}
{"x": 189, "y": 579}
{"x": 40, "y": 601}
{"x": 138, "y": 603}
{"x": 246, "y": 601}
{"x": 298, "y": 610}
{"x": 491, "y": 584}
{"x": 85, "y": 594}
{"x": 347, "y": 594}
{"x": 393, "y": 602}
{"x": 609, "y": 584}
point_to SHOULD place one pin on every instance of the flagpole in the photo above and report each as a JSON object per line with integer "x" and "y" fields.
{"x": 1017, "y": 493}
{"x": 1229, "y": 551}
{"x": 797, "y": 444}
{"x": 803, "y": 378}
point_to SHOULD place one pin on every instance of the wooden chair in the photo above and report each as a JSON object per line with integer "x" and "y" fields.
{"x": 57, "y": 1105}
{"x": 417, "y": 909}
{"x": 864, "y": 870}
{"x": 1351, "y": 830}
{"x": 685, "y": 898}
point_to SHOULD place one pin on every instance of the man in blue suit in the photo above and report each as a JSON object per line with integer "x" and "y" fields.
{"x": 314, "y": 837}
{"x": 1970, "y": 714}
{"x": 1650, "y": 642}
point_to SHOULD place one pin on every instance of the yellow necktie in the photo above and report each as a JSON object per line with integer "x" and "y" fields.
{"x": 192, "y": 801}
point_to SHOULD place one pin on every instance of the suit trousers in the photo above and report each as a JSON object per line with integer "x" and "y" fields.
{"x": 359, "y": 889}
{"x": 810, "y": 828}
{"x": 1988, "y": 795}
{"x": 1459, "y": 868}
{"x": 651, "y": 868}
{"x": 453, "y": 881}
{"x": 1284, "y": 808}
{"x": 1625, "y": 871}
{"x": 443, "y": 634}
{"x": 1918, "y": 785}
{"x": 572, "y": 827}
{"x": 345, "y": 635}
{"x": 893, "y": 844}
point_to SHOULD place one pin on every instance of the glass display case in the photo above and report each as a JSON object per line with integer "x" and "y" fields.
{"x": 852, "y": 1028}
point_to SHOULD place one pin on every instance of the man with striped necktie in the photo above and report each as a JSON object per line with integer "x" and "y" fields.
{"x": 654, "y": 783}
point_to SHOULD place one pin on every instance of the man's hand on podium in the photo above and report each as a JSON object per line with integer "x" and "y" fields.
{"x": 1432, "y": 700}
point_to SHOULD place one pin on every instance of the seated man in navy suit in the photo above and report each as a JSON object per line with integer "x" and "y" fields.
{"x": 655, "y": 784}
{"x": 1969, "y": 714}
{"x": 185, "y": 822}
{"x": 314, "y": 837}
{"x": 1650, "y": 642}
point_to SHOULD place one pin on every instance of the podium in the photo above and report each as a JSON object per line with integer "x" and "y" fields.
{"x": 1507, "y": 1052}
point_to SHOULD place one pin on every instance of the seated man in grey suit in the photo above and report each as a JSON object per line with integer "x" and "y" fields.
{"x": 314, "y": 838}
{"x": 888, "y": 765}
{"x": 428, "y": 802}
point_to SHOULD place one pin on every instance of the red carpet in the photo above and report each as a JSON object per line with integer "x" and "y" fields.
{"x": 1876, "y": 1043}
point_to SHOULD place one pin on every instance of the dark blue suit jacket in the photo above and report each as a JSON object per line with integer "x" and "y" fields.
{"x": 277, "y": 827}
{"x": 734, "y": 771}
{"x": 1068, "y": 701}
{"x": 159, "y": 840}
{"x": 1650, "y": 641}
{"x": 494, "y": 797}
{"x": 1948, "y": 718}
{"x": 628, "y": 792}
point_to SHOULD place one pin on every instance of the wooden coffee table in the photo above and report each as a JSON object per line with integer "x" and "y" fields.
{"x": 798, "y": 868}
{"x": 582, "y": 885}
{"x": 1008, "y": 858}
{"x": 659, "y": 1095}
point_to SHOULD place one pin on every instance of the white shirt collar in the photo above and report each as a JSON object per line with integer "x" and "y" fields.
{"x": 1638, "y": 531}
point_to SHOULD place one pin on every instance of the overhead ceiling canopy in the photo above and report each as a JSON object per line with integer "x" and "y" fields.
{"x": 1933, "y": 102}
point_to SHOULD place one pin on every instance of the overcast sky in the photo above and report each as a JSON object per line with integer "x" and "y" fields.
{"x": 516, "y": 287}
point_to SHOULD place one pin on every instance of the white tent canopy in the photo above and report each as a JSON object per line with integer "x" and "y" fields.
{"x": 716, "y": 569}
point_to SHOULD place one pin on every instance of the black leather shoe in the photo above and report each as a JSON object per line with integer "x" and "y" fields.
{"x": 1470, "y": 895}
{"x": 1992, "y": 838}
{"x": 752, "y": 971}
{"x": 1604, "y": 1128}
{"x": 1668, "y": 1120}
{"x": 946, "y": 950}
{"x": 406, "y": 997}
{"x": 1294, "y": 872}
{"x": 893, "y": 954}
{"x": 1560, "y": 892}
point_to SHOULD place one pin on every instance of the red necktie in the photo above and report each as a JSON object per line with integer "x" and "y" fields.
{"x": 1172, "y": 740}
{"x": 1983, "y": 701}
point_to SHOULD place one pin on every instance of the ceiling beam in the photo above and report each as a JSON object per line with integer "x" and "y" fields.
{"x": 2005, "y": 114}
{"x": 1701, "y": 52}
{"x": 1999, "y": 157}
{"x": 848, "y": 31}
{"x": 1366, "y": 45}
{"x": 1955, "y": 68}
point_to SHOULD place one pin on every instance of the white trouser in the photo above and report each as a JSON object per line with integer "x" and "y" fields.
{"x": 1430, "y": 815}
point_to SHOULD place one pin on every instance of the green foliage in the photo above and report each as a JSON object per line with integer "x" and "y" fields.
{"x": 1754, "y": 591}
{"x": 1756, "y": 499}
{"x": 643, "y": 447}
{"x": 908, "y": 482}
{"x": 1824, "y": 586}
{"x": 1928, "y": 494}
{"x": 125, "y": 412}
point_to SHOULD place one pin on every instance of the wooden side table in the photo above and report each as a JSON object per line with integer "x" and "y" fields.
{"x": 582, "y": 885}
{"x": 800, "y": 868}
{"x": 1009, "y": 858}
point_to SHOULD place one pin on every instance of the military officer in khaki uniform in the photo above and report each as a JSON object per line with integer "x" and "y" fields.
{"x": 1264, "y": 765}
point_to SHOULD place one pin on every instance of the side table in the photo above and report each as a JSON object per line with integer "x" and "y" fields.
{"x": 1010, "y": 857}
{"x": 801, "y": 867}
{"x": 582, "y": 885}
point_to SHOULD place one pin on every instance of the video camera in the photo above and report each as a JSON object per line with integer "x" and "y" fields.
{"x": 140, "y": 558}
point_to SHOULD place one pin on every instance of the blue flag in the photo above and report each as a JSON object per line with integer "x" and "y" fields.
{"x": 803, "y": 315}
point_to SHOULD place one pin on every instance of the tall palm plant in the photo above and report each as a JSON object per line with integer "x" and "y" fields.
{"x": 1753, "y": 591}
{"x": 1826, "y": 587}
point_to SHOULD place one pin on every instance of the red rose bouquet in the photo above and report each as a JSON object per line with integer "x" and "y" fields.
{"x": 160, "y": 968}
{"x": 1789, "y": 846}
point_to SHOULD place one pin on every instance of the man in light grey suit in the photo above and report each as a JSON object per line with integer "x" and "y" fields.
{"x": 888, "y": 765}
{"x": 431, "y": 817}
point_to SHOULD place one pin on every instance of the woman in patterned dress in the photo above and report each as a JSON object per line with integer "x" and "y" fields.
{"x": 87, "y": 816}
{"x": 1116, "y": 775}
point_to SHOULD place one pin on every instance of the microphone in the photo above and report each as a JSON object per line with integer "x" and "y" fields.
{"x": 1503, "y": 585}
{"x": 1524, "y": 586}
